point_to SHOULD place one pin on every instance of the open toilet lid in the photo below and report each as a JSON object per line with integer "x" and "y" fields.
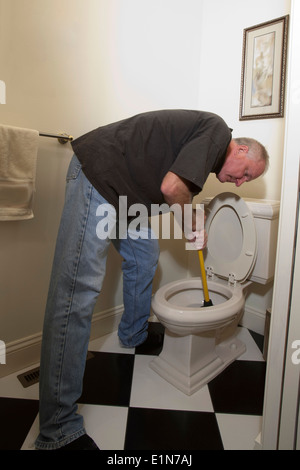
{"x": 231, "y": 248}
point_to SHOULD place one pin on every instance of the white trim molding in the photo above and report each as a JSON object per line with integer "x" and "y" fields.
{"x": 25, "y": 352}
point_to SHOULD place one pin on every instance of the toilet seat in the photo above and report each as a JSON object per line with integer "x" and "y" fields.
{"x": 232, "y": 247}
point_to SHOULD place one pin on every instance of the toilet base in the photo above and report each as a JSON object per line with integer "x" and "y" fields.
{"x": 190, "y": 362}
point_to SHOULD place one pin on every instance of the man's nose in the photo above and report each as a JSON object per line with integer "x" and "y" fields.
{"x": 240, "y": 181}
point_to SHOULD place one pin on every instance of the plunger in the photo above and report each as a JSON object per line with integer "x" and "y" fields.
{"x": 207, "y": 300}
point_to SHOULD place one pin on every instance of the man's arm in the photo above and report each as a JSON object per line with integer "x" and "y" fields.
{"x": 176, "y": 190}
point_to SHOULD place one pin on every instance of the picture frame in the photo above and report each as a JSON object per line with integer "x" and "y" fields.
{"x": 264, "y": 70}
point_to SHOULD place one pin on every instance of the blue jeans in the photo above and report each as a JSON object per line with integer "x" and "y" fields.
{"x": 76, "y": 281}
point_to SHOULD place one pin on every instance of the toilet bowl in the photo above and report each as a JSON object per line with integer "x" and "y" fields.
{"x": 200, "y": 342}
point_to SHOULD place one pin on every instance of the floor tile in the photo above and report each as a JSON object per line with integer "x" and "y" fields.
{"x": 106, "y": 425}
{"x": 239, "y": 389}
{"x": 109, "y": 343}
{"x": 239, "y": 431}
{"x": 126, "y": 405}
{"x": 17, "y": 416}
{"x": 149, "y": 390}
{"x": 107, "y": 379}
{"x": 258, "y": 338}
{"x": 30, "y": 438}
{"x": 171, "y": 430}
{"x": 253, "y": 353}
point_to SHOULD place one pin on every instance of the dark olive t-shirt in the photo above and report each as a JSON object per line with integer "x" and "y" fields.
{"x": 131, "y": 157}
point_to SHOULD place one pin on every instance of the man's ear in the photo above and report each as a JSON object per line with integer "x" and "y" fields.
{"x": 243, "y": 149}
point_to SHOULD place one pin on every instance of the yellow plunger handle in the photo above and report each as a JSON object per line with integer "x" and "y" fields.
{"x": 203, "y": 274}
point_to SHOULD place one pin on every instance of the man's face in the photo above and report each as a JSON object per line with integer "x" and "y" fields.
{"x": 239, "y": 169}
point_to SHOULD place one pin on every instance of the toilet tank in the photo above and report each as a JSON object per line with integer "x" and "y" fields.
{"x": 266, "y": 217}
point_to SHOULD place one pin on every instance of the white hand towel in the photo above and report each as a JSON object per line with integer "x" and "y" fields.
{"x": 18, "y": 156}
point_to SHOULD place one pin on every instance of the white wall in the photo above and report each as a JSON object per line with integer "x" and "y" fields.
{"x": 73, "y": 65}
{"x": 219, "y": 85}
{"x": 219, "y": 91}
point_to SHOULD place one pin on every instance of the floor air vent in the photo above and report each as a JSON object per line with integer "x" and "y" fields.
{"x": 30, "y": 377}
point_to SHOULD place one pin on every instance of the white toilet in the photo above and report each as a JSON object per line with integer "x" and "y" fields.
{"x": 200, "y": 342}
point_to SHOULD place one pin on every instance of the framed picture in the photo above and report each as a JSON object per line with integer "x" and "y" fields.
{"x": 263, "y": 70}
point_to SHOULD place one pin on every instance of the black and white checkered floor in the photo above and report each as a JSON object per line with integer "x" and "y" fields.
{"x": 127, "y": 406}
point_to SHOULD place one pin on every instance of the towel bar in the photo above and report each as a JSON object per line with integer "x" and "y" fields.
{"x": 62, "y": 138}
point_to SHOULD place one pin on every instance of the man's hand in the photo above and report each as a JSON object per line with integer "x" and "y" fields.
{"x": 176, "y": 190}
{"x": 196, "y": 240}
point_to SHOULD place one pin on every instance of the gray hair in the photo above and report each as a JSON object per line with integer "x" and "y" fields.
{"x": 256, "y": 150}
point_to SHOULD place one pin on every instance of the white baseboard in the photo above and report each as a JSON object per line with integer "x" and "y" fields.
{"x": 254, "y": 320}
{"x": 25, "y": 352}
